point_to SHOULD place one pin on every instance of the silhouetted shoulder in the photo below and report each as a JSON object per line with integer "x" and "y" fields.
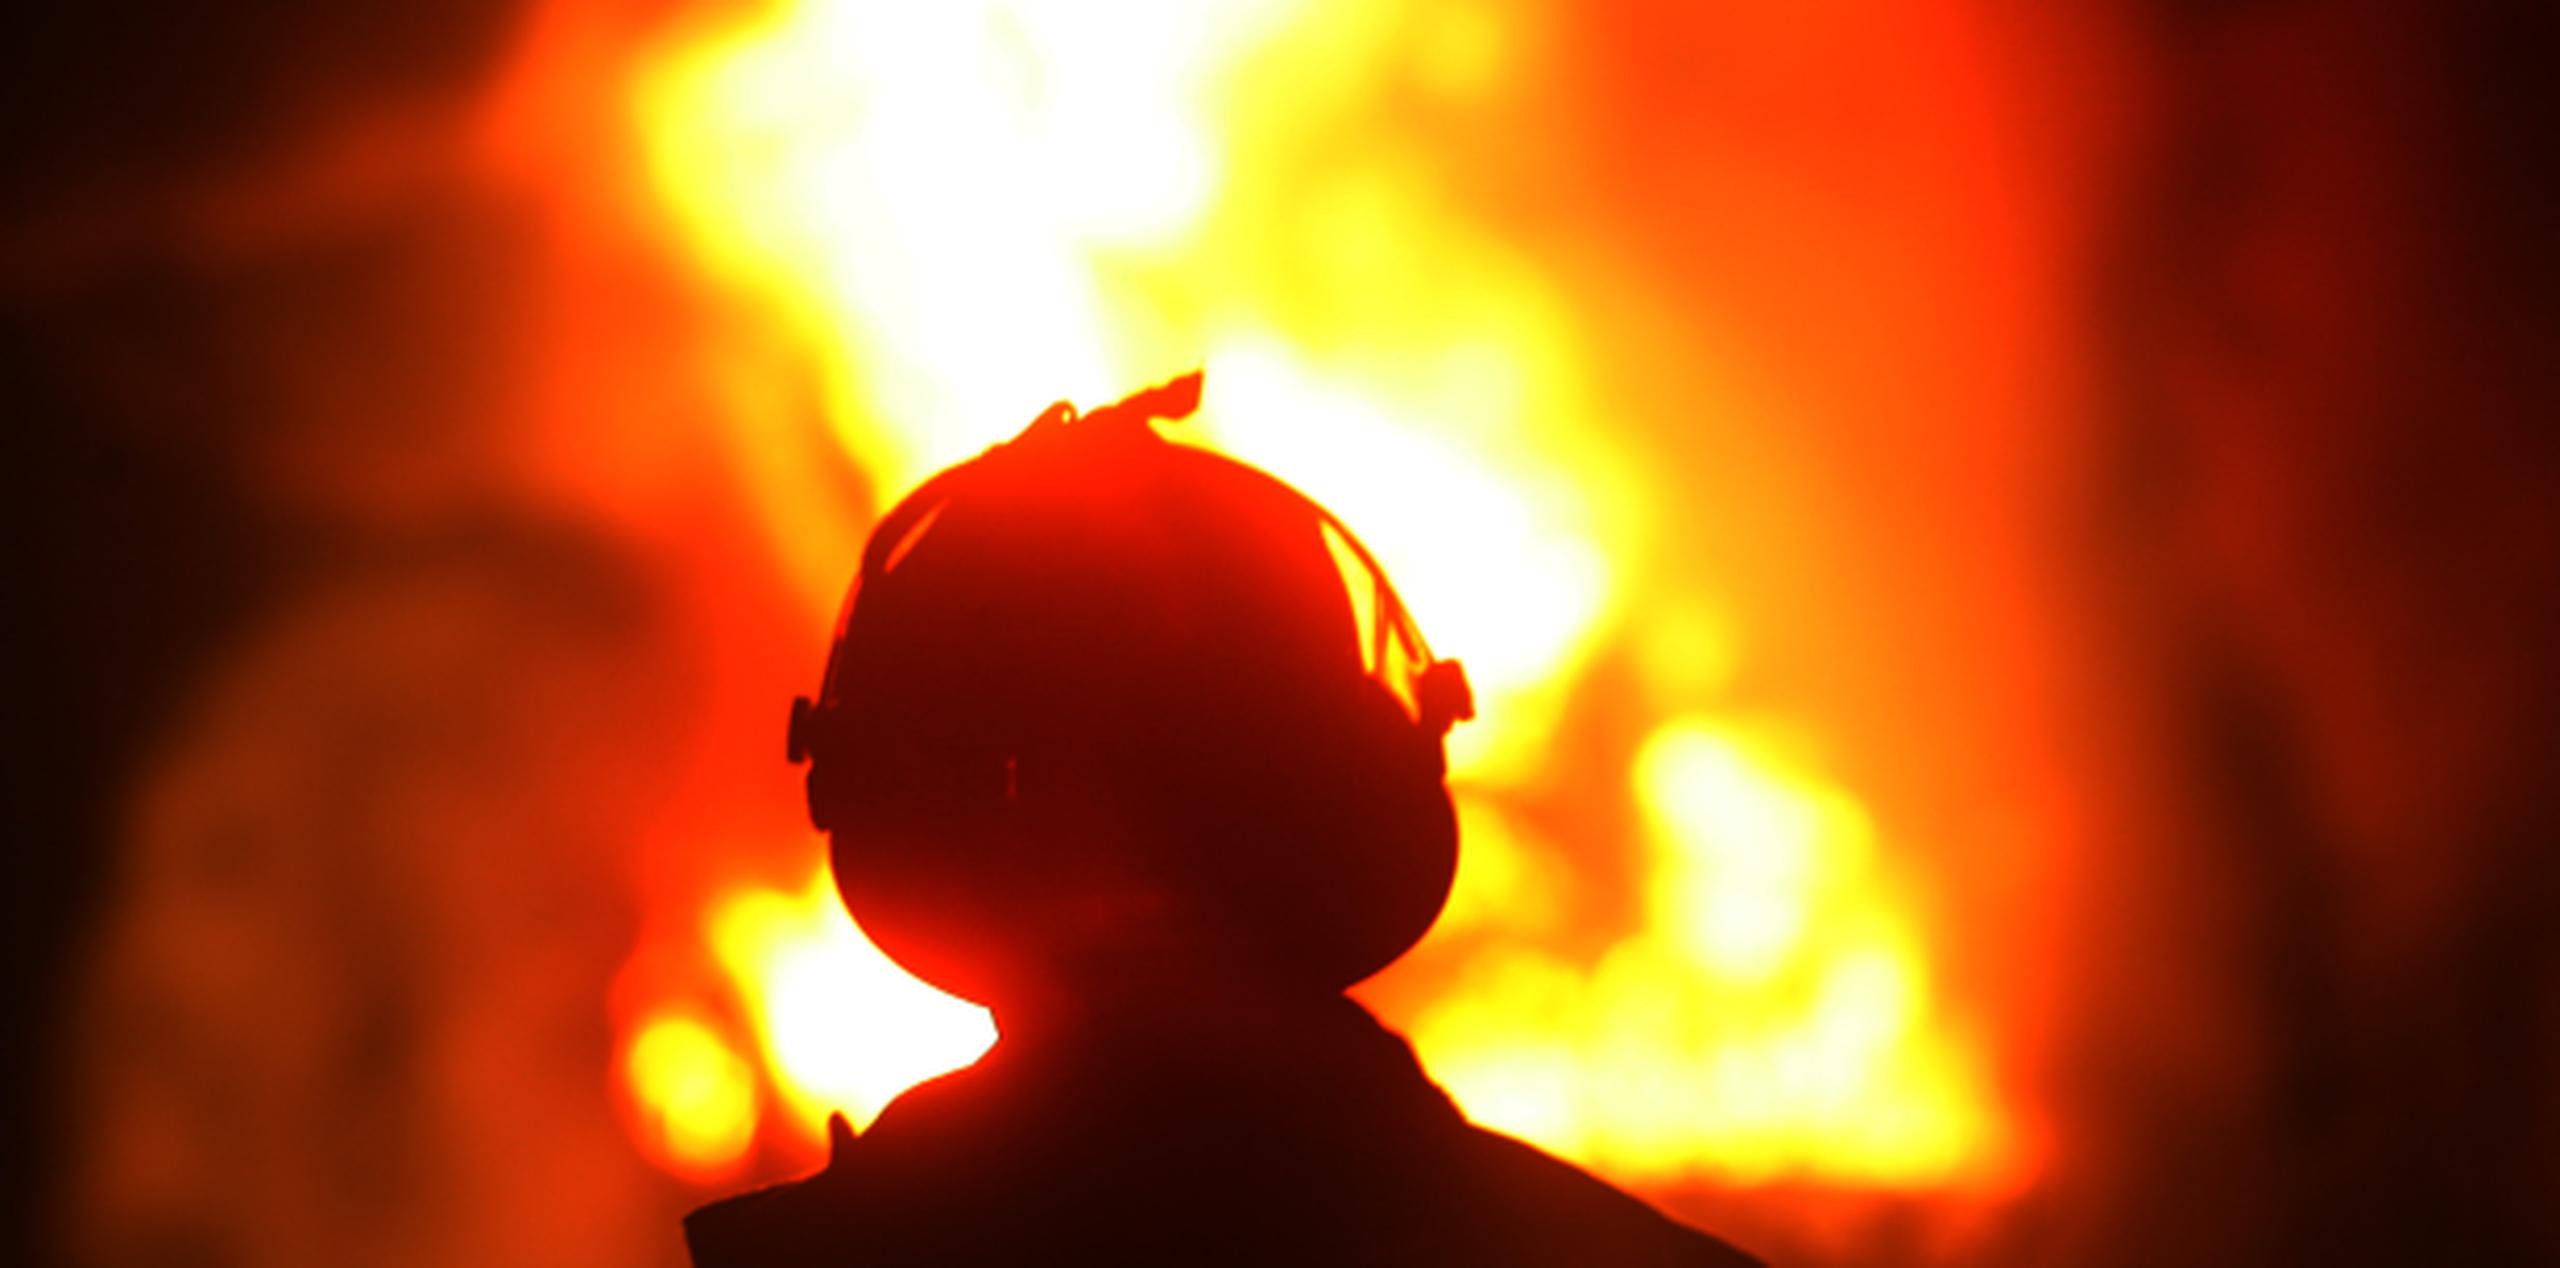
{"x": 799, "y": 1222}
{"x": 1346, "y": 1154}
{"x": 1565, "y": 1212}
{"x": 1518, "y": 1207}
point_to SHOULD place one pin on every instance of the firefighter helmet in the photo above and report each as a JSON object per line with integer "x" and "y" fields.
{"x": 1102, "y": 708}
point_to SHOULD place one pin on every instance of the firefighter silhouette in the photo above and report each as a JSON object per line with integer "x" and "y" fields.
{"x": 1136, "y": 746}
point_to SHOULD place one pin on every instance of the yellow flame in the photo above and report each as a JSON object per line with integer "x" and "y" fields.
{"x": 697, "y": 1093}
{"x": 843, "y": 1027}
{"x": 929, "y": 189}
{"x": 1495, "y": 559}
{"x": 969, "y": 208}
{"x": 1771, "y": 1015}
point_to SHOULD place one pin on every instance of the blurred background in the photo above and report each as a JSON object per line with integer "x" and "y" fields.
{"x": 2008, "y": 551}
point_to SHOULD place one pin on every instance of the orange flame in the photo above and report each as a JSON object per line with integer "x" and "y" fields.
{"x": 969, "y": 209}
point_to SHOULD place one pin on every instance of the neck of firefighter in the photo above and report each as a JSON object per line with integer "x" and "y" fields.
{"x": 1172, "y": 1011}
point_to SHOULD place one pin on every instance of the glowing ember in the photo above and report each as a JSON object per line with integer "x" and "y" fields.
{"x": 970, "y": 209}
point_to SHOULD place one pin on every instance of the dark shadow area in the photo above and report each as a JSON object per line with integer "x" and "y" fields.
{"x": 2330, "y": 515}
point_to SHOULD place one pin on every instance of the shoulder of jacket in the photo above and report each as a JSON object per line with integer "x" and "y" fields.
{"x": 1537, "y": 1181}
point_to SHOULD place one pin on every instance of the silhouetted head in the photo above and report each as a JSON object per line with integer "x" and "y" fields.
{"x": 1108, "y": 716}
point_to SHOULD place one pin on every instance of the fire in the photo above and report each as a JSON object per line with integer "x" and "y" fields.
{"x": 1500, "y": 553}
{"x": 842, "y": 1027}
{"x": 700, "y": 1094}
{"x": 966, "y": 210}
{"x": 929, "y": 189}
{"x": 1771, "y": 1012}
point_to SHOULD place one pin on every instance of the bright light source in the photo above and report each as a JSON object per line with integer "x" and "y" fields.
{"x": 697, "y": 1096}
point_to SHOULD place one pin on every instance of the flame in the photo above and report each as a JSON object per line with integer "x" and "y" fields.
{"x": 699, "y": 1094}
{"x": 1771, "y": 1013}
{"x": 967, "y": 209}
{"x": 843, "y": 1029}
{"x": 928, "y": 188}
